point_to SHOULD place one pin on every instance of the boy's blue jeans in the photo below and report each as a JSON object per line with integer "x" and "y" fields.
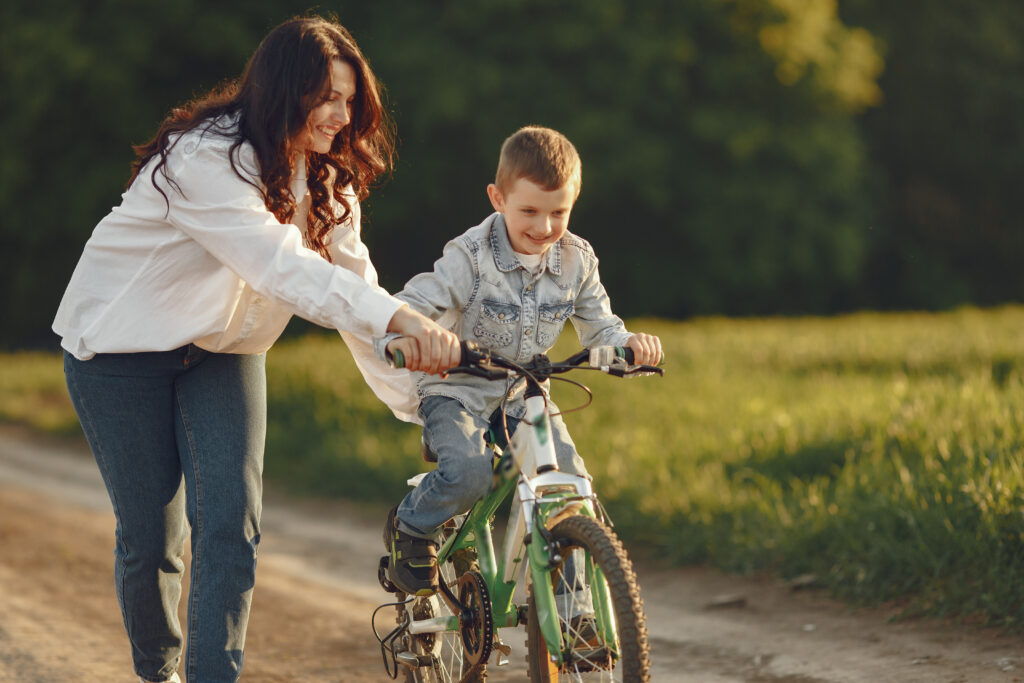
{"x": 179, "y": 435}
{"x": 464, "y": 465}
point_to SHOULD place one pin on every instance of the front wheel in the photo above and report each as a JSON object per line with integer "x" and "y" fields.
{"x": 593, "y": 561}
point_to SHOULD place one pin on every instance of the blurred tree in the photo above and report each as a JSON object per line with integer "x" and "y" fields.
{"x": 947, "y": 148}
{"x": 723, "y": 168}
{"x": 86, "y": 81}
{"x": 723, "y": 172}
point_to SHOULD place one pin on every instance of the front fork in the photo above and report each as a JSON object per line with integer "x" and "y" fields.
{"x": 543, "y": 557}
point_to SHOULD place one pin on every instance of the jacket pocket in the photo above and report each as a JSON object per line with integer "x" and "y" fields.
{"x": 497, "y": 323}
{"x": 550, "y": 321}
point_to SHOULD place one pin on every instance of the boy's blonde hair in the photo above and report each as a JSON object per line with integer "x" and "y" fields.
{"x": 541, "y": 155}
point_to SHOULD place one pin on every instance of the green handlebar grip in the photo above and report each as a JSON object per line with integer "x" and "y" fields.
{"x": 399, "y": 358}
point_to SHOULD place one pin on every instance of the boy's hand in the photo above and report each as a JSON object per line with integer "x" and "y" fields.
{"x": 426, "y": 345}
{"x": 646, "y": 349}
{"x": 404, "y": 345}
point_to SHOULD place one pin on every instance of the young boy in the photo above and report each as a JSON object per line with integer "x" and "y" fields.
{"x": 509, "y": 284}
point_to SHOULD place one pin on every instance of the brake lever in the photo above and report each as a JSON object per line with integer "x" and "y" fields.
{"x": 645, "y": 370}
{"x": 631, "y": 370}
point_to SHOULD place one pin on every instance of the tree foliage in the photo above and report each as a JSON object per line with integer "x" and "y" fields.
{"x": 709, "y": 186}
{"x": 729, "y": 164}
{"x": 947, "y": 146}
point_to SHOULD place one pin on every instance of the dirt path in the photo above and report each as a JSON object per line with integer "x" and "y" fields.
{"x": 316, "y": 589}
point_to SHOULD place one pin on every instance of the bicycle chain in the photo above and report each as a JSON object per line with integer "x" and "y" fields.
{"x": 477, "y": 622}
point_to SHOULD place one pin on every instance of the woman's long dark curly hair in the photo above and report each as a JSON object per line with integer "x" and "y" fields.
{"x": 287, "y": 76}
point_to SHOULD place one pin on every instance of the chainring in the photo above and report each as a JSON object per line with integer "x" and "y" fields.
{"x": 477, "y": 622}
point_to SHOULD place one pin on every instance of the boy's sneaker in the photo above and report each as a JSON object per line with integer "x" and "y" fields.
{"x": 413, "y": 563}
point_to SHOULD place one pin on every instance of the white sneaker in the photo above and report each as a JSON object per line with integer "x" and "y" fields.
{"x": 173, "y": 679}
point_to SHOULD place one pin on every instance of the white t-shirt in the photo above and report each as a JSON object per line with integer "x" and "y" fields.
{"x": 530, "y": 261}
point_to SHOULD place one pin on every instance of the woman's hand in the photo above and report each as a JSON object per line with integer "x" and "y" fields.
{"x": 646, "y": 349}
{"x": 429, "y": 347}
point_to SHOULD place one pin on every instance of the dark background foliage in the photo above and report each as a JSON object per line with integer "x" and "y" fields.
{"x": 741, "y": 157}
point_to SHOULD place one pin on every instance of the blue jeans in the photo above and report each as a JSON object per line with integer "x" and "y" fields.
{"x": 178, "y": 437}
{"x": 465, "y": 469}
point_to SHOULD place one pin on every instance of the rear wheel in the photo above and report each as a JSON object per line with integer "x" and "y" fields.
{"x": 590, "y": 548}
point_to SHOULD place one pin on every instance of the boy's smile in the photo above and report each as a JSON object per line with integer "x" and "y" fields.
{"x": 536, "y": 218}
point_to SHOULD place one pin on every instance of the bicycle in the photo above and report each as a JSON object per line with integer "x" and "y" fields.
{"x": 583, "y": 615}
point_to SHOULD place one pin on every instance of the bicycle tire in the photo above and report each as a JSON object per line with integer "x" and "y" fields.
{"x": 601, "y": 546}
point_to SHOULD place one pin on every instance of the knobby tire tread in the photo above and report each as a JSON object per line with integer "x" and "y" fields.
{"x": 605, "y": 547}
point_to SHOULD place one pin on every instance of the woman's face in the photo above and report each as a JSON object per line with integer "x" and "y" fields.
{"x": 330, "y": 117}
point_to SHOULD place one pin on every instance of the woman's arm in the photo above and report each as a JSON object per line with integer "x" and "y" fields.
{"x": 227, "y": 217}
{"x": 435, "y": 294}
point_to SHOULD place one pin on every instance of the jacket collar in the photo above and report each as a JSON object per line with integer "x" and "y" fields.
{"x": 505, "y": 256}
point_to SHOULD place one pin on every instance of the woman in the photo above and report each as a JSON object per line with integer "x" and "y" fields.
{"x": 242, "y": 210}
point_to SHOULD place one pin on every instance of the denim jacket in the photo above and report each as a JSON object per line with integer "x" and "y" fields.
{"x": 481, "y": 292}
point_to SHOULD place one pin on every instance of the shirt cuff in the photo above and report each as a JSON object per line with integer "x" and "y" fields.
{"x": 380, "y": 345}
{"x": 376, "y": 308}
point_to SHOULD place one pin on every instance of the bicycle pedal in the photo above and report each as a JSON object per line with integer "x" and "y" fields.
{"x": 382, "y": 576}
{"x": 408, "y": 660}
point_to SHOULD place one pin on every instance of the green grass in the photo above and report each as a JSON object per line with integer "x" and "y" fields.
{"x": 33, "y": 393}
{"x": 884, "y": 453}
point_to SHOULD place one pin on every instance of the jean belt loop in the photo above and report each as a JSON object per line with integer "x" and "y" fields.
{"x": 193, "y": 354}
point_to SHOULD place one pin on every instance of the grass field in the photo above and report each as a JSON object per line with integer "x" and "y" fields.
{"x": 883, "y": 453}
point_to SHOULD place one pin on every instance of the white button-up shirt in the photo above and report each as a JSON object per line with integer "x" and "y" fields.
{"x": 213, "y": 267}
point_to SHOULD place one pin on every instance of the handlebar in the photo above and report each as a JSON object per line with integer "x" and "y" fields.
{"x": 481, "y": 362}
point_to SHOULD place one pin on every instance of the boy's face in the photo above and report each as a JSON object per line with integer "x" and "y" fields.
{"x": 536, "y": 218}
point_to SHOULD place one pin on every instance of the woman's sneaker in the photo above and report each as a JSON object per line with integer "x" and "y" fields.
{"x": 173, "y": 679}
{"x": 412, "y": 566}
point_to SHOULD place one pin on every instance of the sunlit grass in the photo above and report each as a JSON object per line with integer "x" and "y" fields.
{"x": 881, "y": 452}
{"x": 33, "y": 393}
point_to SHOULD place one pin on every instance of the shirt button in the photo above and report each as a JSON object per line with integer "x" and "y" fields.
{"x": 501, "y": 316}
{"x": 529, "y": 331}
{"x": 529, "y": 288}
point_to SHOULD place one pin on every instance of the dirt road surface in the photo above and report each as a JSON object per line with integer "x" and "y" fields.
{"x": 316, "y": 589}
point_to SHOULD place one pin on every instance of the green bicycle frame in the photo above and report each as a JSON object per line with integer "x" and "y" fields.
{"x": 542, "y": 500}
{"x": 475, "y": 532}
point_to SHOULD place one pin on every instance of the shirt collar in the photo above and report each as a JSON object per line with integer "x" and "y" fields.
{"x": 505, "y": 256}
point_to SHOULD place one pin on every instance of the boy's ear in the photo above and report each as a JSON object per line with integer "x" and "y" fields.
{"x": 497, "y": 199}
